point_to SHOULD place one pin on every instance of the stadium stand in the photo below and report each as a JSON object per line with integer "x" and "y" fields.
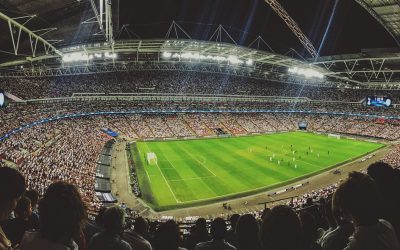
{"x": 178, "y": 83}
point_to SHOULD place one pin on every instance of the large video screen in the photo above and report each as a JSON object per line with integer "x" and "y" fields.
{"x": 378, "y": 101}
{"x": 2, "y": 99}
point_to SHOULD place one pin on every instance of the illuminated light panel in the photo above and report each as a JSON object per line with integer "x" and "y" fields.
{"x": 308, "y": 72}
{"x": 81, "y": 56}
{"x": 232, "y": 59}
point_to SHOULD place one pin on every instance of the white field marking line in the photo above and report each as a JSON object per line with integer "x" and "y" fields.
{"x": 165, "y": 179}
{"x": 145, "y": 170}
{"x": 194, "y": 178}
{"x": 187, "y": 152}
{"x": 170, "y": 163}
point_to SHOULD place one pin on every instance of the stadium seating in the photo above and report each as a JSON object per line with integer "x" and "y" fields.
{"x": 176, "y": 82}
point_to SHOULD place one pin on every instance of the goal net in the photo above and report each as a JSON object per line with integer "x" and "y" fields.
{"x": 334, "y": 136}
{"x": 151, "y": 158}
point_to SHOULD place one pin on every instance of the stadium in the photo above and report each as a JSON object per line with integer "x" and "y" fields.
{"x": 199, "y": 118}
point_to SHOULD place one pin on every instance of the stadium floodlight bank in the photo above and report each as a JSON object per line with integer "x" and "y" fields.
{"x": 132, "y": 54}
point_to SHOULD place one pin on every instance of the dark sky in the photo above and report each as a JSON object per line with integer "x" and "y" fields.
{"x": 352, "y": 28}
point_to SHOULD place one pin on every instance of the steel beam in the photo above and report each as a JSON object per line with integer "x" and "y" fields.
{"x": 293, "y": 27}
{"x": 12, "y": 22}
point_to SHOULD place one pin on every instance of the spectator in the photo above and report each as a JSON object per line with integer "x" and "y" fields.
{"x": 33, "y": 196}
{"x": 281, "y": 230}
{"x": 96, "y": 226}
{"x": 62, "y": 217}
{"x": 16, "y": 227}
{"x": 113, "y": 221}
{"x": 310, "y": 233}
{"x": 358, "y": 198}
{"x": 330, "y": 220}
{"x": 337, "y": 238}
{"x": 198, "y": 234}
{"x": 388, "y": 182}
{"x": 167, "y": 237}
{"x": 218, "y": 233}
{"x": 247, "y": 232}
{"x": 230, "y": 235}
{"x": 135, "y": 237}
{"x": 12, "y": 186}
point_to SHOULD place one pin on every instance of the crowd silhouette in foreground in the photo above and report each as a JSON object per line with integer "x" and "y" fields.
{"x": 362, "y": 214}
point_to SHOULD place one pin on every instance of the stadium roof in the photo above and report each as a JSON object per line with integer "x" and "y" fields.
{"x": 386, "y": 12}
{"x": 64, "y": 26}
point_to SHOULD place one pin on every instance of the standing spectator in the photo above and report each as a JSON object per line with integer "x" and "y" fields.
{"x": 62, "y": 217}
{"x": 358, "y": 198}
{"x": 96, "y": 226}
{"x": 12, "y": 186}
{"x": 218, "y": 233}
{"x": 16, "y": 227}
{"x": 388, "y": 181}
{"x": 337, "y": 238}
{"x": 113, "y": 221}
{"x": 135, "y": 237}
{"x": 247, "y": 232}
{"x": 33, "y": 195}
{"x": 309, "y": 226}
{"x": 198, "y": 234}
{"x": 230, "y": 235}
{"x": 281, "y": 230}
{"x": 167, "y": 237}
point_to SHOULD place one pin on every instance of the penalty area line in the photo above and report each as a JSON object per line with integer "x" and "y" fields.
{"x": 165, "y": 179}
{"x": 202, "y": 164}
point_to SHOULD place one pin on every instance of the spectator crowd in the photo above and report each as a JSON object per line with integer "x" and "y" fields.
{"x": 359, "y": 213}
{"x": 177, "y": 82}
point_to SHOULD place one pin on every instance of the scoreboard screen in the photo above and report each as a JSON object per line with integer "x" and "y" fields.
{"x": 302, "y": 125}
{"x": 378, "y": 101}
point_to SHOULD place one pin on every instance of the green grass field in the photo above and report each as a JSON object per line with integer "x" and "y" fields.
{"x": 195, "y": 172}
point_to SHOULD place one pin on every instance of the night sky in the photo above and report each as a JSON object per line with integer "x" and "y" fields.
{"x": 352, "y": 28}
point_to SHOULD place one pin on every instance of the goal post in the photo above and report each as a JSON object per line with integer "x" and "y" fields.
{"x": 334, "y": 136}
{"x": 151, "y": 158}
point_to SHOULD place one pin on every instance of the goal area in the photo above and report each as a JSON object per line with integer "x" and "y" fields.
{"x": 334, "y": 136}
{"x": 151, "y": 158}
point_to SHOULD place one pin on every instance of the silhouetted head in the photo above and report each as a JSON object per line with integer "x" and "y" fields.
{"x": 218, "y": 229}
{"x": 62, "y": 212}
{"x": 281, "y": 230}
{"x": 358, "y": 198}
{"x": 247, "y": 232}
{"x": 12, "y": 186}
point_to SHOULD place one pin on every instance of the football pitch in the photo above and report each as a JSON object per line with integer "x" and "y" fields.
{"x": 195, "y": 172}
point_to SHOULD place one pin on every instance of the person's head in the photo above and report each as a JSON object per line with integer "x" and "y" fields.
{"x": 247, "y": 231}
{"x": 309, "y": 227}
{"x": 113, "y": 220}
{"x": 99, "y": 216}
{"x": 337, "y": 212}
{"x": 281, "y": 230}
{"x": 141, "y": 226}
{"x": 385, "y": 178}
{"x": 265, "y": 212}
{"x": 167, "y": 236}
{"x": 23, "y": 209}
{"x": 33, "y": 195}
{"x": 201, "y": 226}
{"x": 218, "y": 229}
{"x": 12, "y": 186}
{"x": 62, "y": 212}
{"x": 358, "y": 198}
{"x": 233, "y": 220}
